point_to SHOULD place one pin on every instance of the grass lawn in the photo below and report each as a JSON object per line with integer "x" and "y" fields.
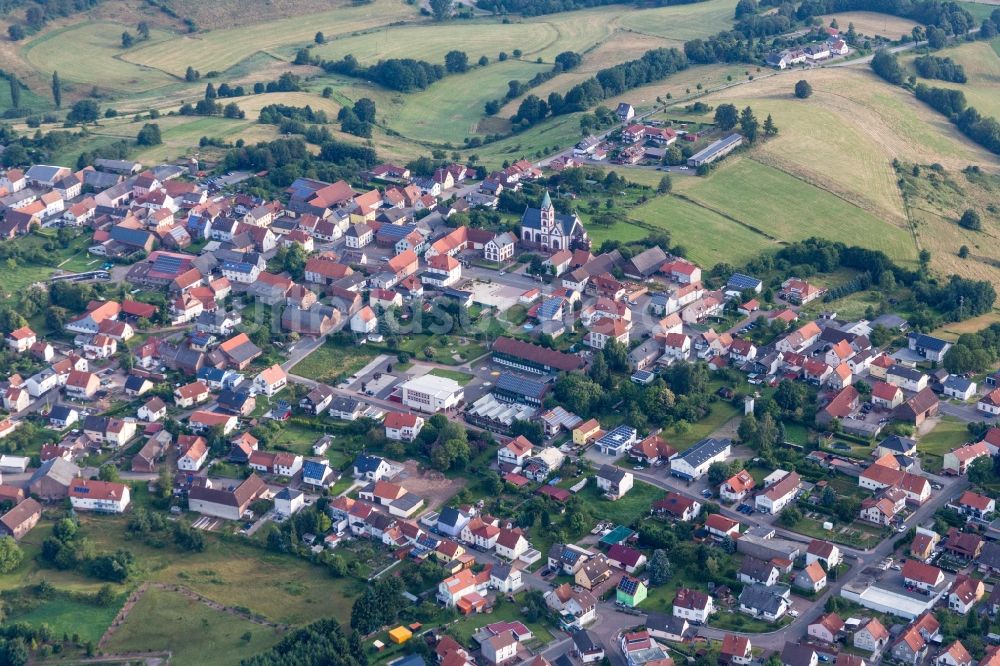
{"x": 66, "y": 615}
{"x": 445, "y": 349}
{"x": 279, "y": 587}
{"x": 297, "y": 438}
{"x": 462, "y": 378}
{"x": 948, "y": 434}
{"x": 740, "y": 622}
{"x": 623, "y": 511}
{"x": 193, "y": 632}
{"x": 721, "y": 414}
{"x": 857, "y": 534}
{"x": 333, "y": 361}
{"x": 506, "y": 611}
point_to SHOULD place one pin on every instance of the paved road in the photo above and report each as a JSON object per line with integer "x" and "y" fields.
{"x": 967, "y": 413}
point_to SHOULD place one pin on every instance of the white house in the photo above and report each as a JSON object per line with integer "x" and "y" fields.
{"x": 614, "y": 481}
{"x": 693, "y": 605}
{"x": 102, "y": 496}
{"x": 694, "y": 463}
{"x": 402, "y": 426}
{"x": 271, "y": 380}
{"x": 364, "y": 321}
{"x": 779, "y": 494}
{"x": 193, "y": 454}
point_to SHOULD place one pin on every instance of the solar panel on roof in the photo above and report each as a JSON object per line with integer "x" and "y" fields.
{"x": 628, "y": 585}
{"x": 520, "y": 385}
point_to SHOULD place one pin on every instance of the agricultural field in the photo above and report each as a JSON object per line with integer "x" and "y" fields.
{"x": 952, "y": 331}
{"x": 780, "y": 206}
{"x": 979, "y": 9}
{"x": 432, "y": 42}
{"x": 861, "y": 124}
{"x": 708, "y": 236}
{"x": 160, "y": 617}
{"x": 872, "y": 24}
{"x": 682, "y": 22}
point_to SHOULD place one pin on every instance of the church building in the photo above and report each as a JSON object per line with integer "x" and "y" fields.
{"x": 544, "y": 227}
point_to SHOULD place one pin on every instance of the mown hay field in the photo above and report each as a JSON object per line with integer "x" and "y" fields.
{"x": 221, "y": 49}
{"x": 871, "y": 24}
{"x": 786, "y": 208}
{"x": 91, "y": 53}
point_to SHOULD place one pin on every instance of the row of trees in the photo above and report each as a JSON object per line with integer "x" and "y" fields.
{"x": 936, "y": 67}
{"x": 402, "y": 74}
{"x": 727, "y": 118}
{"x": 983, "y": 130}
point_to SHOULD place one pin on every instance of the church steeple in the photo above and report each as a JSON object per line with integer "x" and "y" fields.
{"x": 547, "y": 211}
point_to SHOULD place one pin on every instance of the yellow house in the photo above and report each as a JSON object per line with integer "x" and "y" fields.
{"x": 585, "y": 431}
{"x": 400, "y": 635}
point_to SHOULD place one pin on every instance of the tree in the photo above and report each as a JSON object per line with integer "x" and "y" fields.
{"x": 143, "y": 29}
{"x": 970, "y": 220}
{"x": 718, "y": 472}
{"x": 748, "y": 124}
{"x": 127, "y": 40}
{"x": 803, "y": 90}
{"x": 726, "y": 116}
{"x": 15, "y": 92}
{"x": 16, "y": 32}
{"x": 109, "y": 472}
{"x": 210, "y": 92}
{"x": 84, "y": 111}
{"x": 770, "y": 129}
{"x": 149, "y": 135}
{"x": 456, "y": 61}
{"x": 320, "y": 38}
{"x": 963, "y": 252}
{"x": 980, "y": 471}
{"x": 665, "y": 185}
{"x": 441, "y": 9}
{"x": 659, "y": 567}
{"x": 56, "y": 90}
{"x": 364, "y": 109}
{"x": 192, "y": 75}
{"x": 10, "y": 554}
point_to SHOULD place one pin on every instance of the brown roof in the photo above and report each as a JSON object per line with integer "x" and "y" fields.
{"x": 918, "y": 571}
{"x": 538, "y": 354}
{"x": 20, "y": 513}
{"x": 94, "y": 489}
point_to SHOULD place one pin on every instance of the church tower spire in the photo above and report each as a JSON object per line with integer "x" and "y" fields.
{"x": 548, "y": 212}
